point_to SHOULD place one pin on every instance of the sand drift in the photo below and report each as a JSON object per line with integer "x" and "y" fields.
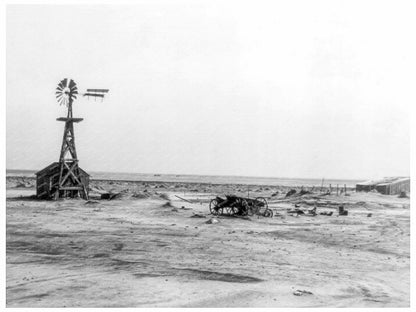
{"x": 149, "y": 248}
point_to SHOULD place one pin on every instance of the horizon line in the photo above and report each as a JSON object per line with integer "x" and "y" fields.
{"x": 218, "y": 175}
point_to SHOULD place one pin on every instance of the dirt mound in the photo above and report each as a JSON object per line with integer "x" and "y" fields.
{"x": 218, "y": 276}
{"x": 115, "y": 195}
{"x": 167, "y": 205}
{"x": 403, "y": 195}
{"x": 143, "y": 195}
{"x": 290, "y": 193}
{"x": 21, "y": 185}
{"x": 164, "y": 196}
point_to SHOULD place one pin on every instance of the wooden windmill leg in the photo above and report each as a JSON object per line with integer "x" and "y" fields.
{"x": 56, "y": 194}
{"x": 85, "y": 192}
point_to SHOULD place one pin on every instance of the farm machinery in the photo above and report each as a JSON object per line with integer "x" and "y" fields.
{"x": 234, "y": 205}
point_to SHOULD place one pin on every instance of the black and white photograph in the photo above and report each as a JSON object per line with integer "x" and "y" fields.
{"x": 208, "y": 154}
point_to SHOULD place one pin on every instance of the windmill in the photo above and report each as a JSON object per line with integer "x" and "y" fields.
{"x": 65, "y": 178}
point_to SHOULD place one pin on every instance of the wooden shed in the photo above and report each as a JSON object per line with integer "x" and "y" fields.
{"x": 365, "y": 186}
{"x": 47, "y": 183}
{"x": 394, "y": 187}
{"x": 387, "y": 186}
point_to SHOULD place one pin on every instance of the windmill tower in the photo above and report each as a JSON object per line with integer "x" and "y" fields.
{"x": 65, "y": 178}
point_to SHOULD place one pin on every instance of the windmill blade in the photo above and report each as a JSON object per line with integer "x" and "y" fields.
{"x": 63, "y": 83}
{"x": 61, "y": 92}
{"x": 72, "y": 84}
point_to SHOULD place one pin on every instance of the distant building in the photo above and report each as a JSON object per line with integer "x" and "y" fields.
{"x": 387, "y": 186}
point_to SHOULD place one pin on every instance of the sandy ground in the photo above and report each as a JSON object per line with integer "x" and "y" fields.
{"x": 145, "y": 249}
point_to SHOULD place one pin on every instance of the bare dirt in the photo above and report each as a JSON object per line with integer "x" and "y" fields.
{"x": 148, "y": 248}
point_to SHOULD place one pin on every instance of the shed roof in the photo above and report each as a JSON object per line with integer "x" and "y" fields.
{"x": 54, "y": 166}
{"x": 397, "y": 181}
{"x": 48, "y": 168}
{"x": 385, "y": 181}
{"x": 367, "y": 183}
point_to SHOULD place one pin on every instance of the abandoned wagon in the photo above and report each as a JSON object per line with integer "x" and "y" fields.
{"x": 47, "y": 182}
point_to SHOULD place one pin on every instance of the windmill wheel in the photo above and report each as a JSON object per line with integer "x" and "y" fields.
{"x": 66, "y": 91}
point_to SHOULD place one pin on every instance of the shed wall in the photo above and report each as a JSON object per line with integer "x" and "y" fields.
{"x": 48, "y": 178}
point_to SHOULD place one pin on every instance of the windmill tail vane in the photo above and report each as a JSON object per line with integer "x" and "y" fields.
{"x": 96, "y": 93}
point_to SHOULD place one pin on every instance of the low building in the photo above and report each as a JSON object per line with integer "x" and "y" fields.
{"x": 47, "y": 182}
{"x": 366, "y": 186}
{"x": 387, "y": 186}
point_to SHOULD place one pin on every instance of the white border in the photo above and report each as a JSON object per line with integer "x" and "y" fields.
{"x": 411, "y": 6}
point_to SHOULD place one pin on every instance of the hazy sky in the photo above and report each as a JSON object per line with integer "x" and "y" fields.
{"x": 290, "y": 89}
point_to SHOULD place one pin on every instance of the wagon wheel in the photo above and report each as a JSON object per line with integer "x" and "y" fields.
{"x": 234, "y": 208}
{"x": 213, "y": 207}
{"x": 244, "y": 207}
{"x": 219, "y": 211}
{"x": 229, "y": 211}
{"x": 250, "y": 210}
{"x": 253, "y": 209}
{"x": 235, "y": 211}
{"x": 268, "y": 213}
{"x": 264, "y": 201}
